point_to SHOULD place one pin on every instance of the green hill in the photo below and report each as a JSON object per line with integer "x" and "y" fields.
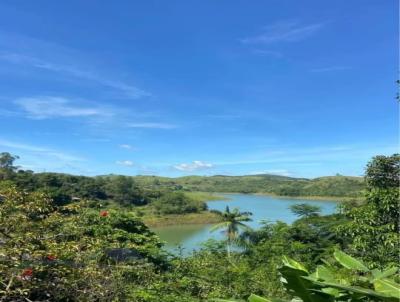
{"x": 338, "y": 186}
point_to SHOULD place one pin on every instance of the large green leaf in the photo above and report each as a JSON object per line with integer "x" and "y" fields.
{"x": 324, "y": 273}
{"x": 293, "y": 274}
{"x": 349, "y": 262}
{"x": 387, "y": 287}
{"x": 354, "y": 289}
{"x": 386, "y": 273}
{"x": 331, "y": 291}
{"x": 293, "y": 264}
{"x": 255, "y": 298}
{"x": 252, "y": 298}
{"x": 224, "y": 300}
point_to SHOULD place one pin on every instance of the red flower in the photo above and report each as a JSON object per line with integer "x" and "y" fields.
{"x": 104, "y": 213}
{"x": 51, "y": 257}
{"x": 26, "y": 274}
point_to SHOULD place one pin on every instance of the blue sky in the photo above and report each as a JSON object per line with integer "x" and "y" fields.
{"x": 299, "y": 88}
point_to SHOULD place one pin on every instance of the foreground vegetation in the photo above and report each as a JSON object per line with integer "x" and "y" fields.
{"x": 83, "y": 239}
{"x": 344, "y": 279}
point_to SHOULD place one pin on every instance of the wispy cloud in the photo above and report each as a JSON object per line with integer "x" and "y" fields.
{"x": 126, "y": 163}
{"x": 44, "y": 151}
{"x": 330, "y": 68}
{"x": 126, "y": 146}
{"x": 152, "y": 125}
{"x": 267, "y": 52}
{"x": 193, "y": 166}
{"x": 95, "y": 114}
{"x": 283, "y": 32}
{"x": 8, "y": 113}
{"x": 96, "y": 140}
{"x": 281, "y": 172}
{"x": 26, "y": 147}
{"x": 45, "y": 107}
{"x": 224, "y": 116}
{"x": 312, "y": 155}
{"x": 51, "y": 57}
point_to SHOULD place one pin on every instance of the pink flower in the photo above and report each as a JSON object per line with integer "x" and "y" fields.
{"x": 51, "y": 257}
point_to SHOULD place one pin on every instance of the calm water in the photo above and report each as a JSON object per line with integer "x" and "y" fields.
{"x": 190, "y": 237}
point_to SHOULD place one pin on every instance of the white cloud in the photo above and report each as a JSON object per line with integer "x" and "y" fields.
{"x": 152, "y": 125}
{"x": 126, "y": 146}
{"x": 194, "y": 166}
{"x": 44, "y": 107}
{"x": 126, "y": 163}
{"x": 281, "y": 172}
{"x": 283, "y": 32}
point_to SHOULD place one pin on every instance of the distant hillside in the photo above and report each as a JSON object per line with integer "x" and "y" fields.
{"x": 339, "y": 186}
{"x": 143, "y": 188}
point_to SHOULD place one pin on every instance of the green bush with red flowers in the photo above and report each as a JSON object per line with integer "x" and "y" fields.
{"x": 67, "y": 253}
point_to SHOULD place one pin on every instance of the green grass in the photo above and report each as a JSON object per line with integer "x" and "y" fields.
{"x": 205, "y": 196}
{"x": 204, "y": 217}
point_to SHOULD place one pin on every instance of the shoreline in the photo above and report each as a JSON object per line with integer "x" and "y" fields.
{"x": 316, "y": 198}
{"x": 205, "y": 217}
{"x": 306, "y": 197}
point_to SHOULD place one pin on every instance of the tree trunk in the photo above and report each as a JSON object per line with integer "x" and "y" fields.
{"x": 228, "y": 247}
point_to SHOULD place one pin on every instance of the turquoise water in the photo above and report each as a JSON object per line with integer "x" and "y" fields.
{"x": 190, "y": 237}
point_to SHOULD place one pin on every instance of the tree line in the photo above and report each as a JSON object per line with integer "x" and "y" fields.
{"x": 119, "y": 189}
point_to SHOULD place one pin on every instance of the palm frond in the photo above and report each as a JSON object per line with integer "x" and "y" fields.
{"x": 221, "y": 225}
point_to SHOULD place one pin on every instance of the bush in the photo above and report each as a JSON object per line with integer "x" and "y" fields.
{"x": 178, "y": 203}
{"x": 62, "y": 253}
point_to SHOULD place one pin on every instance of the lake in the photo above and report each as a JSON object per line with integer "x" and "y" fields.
{"x": 191, "y": 236}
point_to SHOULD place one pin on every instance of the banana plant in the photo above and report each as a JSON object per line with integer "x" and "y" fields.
{"x": 252, "y": 298}
{"x": 345, "y": 280}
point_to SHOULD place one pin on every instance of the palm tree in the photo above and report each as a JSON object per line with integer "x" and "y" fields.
{"x": 232, "y": 222}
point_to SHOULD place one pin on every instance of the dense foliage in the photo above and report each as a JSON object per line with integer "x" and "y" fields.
{"x": 120, "y": 190}
{"x": 373, "y": 228}
{"x": 69, "y": 253}
{"x": 75, "y": 238}
{"x": 178, "y": 203}
{"x": 343, "y": 186}
{"x": 343, "y": 279}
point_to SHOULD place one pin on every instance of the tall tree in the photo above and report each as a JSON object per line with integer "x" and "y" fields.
{"x": 124, "y": 190}
{"x": 232, "y": 222}
{"x": 374, "y": 227}
{"x": 7, "y": 168}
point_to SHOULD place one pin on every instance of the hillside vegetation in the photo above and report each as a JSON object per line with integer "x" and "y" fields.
{"x": 160, "y": 191}
{"x": 335, "y": 186}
